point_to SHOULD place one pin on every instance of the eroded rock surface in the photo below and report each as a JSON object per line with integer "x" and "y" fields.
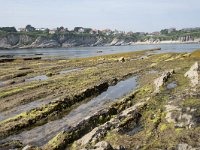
{"x": 185, "y": 146}
{"x": 100, "y": 132}
{"x": 193, "y": 74}
{"x": 162, "y": 80}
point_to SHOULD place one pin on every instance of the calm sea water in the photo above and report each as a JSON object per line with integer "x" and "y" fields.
{"x": 79, "y": 52}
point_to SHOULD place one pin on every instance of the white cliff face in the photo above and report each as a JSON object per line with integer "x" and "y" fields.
{"x": 193, "y": 74}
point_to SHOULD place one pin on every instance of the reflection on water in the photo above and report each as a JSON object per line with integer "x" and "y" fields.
{"x": 37, "y": 78}
{"x": 172, "y": 85}
{"x": 92, "y": 51}
{"x": 1, "y": 84}
{"x": 68, "y": 71}
{"x": 135, "y": 130}
{"x": 42, "y": 134}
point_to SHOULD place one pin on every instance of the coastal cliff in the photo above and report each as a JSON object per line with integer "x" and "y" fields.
{"x": 28, "y": 41}
{"x": 11, "y": 41}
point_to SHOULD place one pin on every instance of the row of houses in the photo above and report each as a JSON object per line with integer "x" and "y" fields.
{"x": 29, "y": 28}
{"x": 107, "y": 32}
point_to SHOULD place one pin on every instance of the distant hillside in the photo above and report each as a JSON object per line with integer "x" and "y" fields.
{"x": 29, "y": 37}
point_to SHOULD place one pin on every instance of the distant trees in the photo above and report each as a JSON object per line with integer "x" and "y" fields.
{"x": 46, "y": 30}
{"x": 29, "y": 28}
{"x": 164, "y": 31}
{"x": 87, "y": 30}
{"x": 77, "y": 29}
{"x": 83, "y": 30}
{"x": 62, "y": 30}
{"x": 8, "y": 29}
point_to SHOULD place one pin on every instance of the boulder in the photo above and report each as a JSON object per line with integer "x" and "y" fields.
{"x": 162, "y": 80}
{"x": 122, "y": 59}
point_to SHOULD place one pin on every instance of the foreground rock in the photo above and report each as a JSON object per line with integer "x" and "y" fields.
{"x": 193, "y": 74}
{"x": 97, "y": 134}
{"x": 65, "y": 138}
{"x": 162, "y": 80}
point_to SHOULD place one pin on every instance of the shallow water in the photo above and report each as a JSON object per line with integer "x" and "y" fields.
{"x": 152, "y": 72}
{"x": 68, "y": 71}
{"x": 42, "y": 134}
{"x": 23, "y": 108}
{"x": 172, "y": 85}
{"x": 80, "y": 52}
{"x": 1, "y": 84}
{"x": 134, "y": 130}
{"x": 37, "y": 78}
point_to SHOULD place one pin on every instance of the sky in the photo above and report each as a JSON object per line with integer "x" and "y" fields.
{"x": 126, "y": 15}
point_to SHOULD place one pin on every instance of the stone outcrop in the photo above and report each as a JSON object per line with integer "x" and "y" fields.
{"x": 193, "y": 74}
{"x": 89, "y": 123}
{"x": 162, "y": 80}
{"x": 122, "y": 59}
{"x": 181, "y": 119}
{"x": 116, "y": 123}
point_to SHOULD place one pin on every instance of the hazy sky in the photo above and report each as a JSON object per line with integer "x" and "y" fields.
{"x": 135, "y": 15}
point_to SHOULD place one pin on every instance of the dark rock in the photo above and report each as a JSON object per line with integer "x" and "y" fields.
{"x": 120, "y": 147}
{"x": 122, "y": 59}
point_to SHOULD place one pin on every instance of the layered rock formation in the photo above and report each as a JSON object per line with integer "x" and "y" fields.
{"x": 11, "y": 41}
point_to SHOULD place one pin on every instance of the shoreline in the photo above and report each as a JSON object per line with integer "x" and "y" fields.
{"x": 165, "y": 42}
{"x": 130, "y": 44}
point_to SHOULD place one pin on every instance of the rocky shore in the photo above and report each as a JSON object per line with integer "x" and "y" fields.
{"x": 62, "y": 108}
